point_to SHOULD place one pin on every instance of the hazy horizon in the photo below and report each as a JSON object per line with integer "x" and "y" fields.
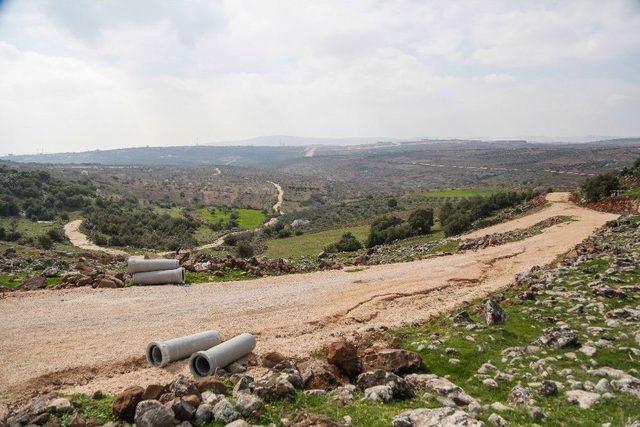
{"x": 78, "y": 76}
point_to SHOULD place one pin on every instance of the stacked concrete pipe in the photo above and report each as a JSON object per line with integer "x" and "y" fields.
{"x": 160, "y": 353}
{"x": 155, "y": 271}
{"x": 205, "y": 363}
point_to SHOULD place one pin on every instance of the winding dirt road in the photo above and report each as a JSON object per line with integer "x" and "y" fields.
{"x": 79, "y": 239}
{"x": 86, "y": 339}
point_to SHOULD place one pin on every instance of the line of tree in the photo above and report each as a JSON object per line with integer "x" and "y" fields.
{"x": 459, "y": 217}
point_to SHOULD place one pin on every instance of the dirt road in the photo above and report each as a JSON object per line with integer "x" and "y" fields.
{"x": 79, "y": 239}
{"x": 278, "y": 206}
{"x": 87, "y": 339}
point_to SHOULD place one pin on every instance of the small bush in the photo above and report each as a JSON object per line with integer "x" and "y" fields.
{"x": 392, "y": 203}
{"x": 230, "y": 239}
{"x": 45, "y": 242}
{"x": 2, "y": 233}
{"x": 55, "y": 235}
{"x": 347, "y": 243}
{"x": 244, "y": 249}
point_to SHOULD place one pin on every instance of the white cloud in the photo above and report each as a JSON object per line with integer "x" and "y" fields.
{"x": 106, "y": 75}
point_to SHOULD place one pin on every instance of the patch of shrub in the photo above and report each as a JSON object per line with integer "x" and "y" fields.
{"x": 598, "y": 187}
{"x": 44, "y": 242}
{"x": 347, "y": 243}
{"x": 459, "y": 217}
{"x": 244, "y": 249}
{"x": 55, "y": 235}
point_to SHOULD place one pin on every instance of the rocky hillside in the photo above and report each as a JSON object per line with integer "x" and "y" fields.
{"x": 560, "y": 346}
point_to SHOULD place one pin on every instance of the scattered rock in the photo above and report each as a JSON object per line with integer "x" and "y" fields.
{"x": 558, "y": 337}
{"x": 392, "y": 360}
{"x": 378, "y": 394}
{"x": 204, "y": 414}
{"x": 321, "y": 375}
{"x": 519, "y": 396}
{"x": 549, "y": 388}
{"x": 212, "y": 384}
{"x": 124, "y": 405}
{"x": 493, "y": 312}
{"x": 223, "y": 412}
{"x": 153, "y": 392}
{"x": 584, "y": 399}
{"x": 271, "y": 359}
{"x": 424, "y": 417}
{"x": 249, "y": 405}
{"x": 151, "y": 413}
{"x": 344, "y": 355}
{"x": 497, "y": 420}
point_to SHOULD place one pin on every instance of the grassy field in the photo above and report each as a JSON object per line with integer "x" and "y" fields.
{"x": 635, "y": 192}
{"x": 249, "y": 218}
{"x": 311, "y": 244}
{"x": 457, "y": 193}
{"x": 174, "y": 212}
{"x": 28, "y": 228}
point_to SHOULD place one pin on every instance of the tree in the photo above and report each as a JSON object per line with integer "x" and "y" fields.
{"x": 598, "y": 187}
{"x": 347, "y": 243}
{"x": 456, "y": 224}
{"x": 421, "y": 221}
{"x": 392, "y": 203}
{"x": 8, "y": 207}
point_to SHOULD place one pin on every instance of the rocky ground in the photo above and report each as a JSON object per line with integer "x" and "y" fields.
{"x": 561, "y": 346}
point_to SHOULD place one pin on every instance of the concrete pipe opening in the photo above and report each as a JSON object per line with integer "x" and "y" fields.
{"x": 200, "y": 366}
{"x": 154, "y": 355}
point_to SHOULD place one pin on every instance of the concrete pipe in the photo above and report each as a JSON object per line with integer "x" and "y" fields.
{"x": 138, "y": 265}
{"x": 159, "y": 277}
{"x": 159, "y": 353}
{"x": 204, "y": 363}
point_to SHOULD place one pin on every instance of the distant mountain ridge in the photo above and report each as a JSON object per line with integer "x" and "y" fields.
{"x": 273, "y": 151}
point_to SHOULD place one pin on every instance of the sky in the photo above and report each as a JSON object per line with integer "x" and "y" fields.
{"x": 80, "y": 75}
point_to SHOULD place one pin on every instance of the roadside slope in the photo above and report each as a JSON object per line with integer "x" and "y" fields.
{"x": 97, "y": 337}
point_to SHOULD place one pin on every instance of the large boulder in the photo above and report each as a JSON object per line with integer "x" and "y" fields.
{"x": 151, "y": 413}
{"x": 438, "y": 417}
{"x": 344, "y": 355}
{"x": 558, "y": 337}
{"x": 393, "y": 360}
{"x": 400, "y": 388}
{"x": 124, "y": 405}
{"x": 317, "y": 374}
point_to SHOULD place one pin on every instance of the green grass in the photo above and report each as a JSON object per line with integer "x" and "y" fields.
{"x": 635, "y": 192}
{"x": 204, "y": 235}
{"x": 28, "y": 228}
{"x": 173, "y": 212}
{"x": 457, "y": 193}
{"x": 248, "y": 219}
{"x": 310, "y": 244}
{"x": 89, "y": 408}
